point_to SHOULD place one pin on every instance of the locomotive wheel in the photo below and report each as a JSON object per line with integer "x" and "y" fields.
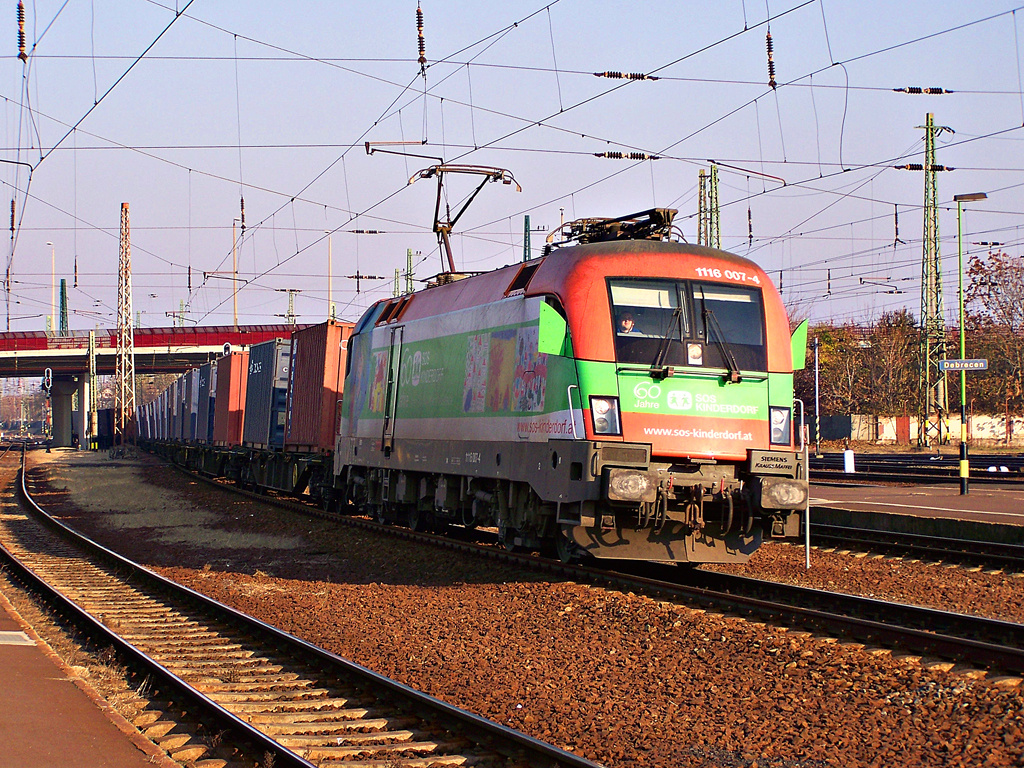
{"x": 440, "y": 526}
{"x": 568, "y": 550}
{"x": 419, "y": 520}
{"x": 380, "y": 515}
{"x": 727, "y": 514}
{"x": 748, "y": 519}
{"x": 507, "y": 537}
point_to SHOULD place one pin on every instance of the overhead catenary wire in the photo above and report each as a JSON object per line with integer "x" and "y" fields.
{"x": 293, "y": 199}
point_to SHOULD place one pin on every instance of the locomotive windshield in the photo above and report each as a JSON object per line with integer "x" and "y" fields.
{"x": 687, "y": 323}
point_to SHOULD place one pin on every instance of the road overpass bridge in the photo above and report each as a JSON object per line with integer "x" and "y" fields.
{"x": 157, "y": 350}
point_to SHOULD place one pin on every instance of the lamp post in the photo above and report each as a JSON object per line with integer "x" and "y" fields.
{"x": 53, "y": 280}
{"x": 964, "y": 464}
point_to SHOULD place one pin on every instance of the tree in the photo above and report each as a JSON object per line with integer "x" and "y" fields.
{"x": 839, "y": 362}
{"x": 891, "y": 364}
{"x": 995, "y": 322}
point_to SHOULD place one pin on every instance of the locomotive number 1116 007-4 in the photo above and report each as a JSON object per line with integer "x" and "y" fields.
{"x": 728, "y": 274}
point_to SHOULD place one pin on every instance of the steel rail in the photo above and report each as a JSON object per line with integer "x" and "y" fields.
{"x": 512, "y": 742}
{"x": 818, "y": 611}
{"x": 96, "y": 630}
{"x": 909, "y": 477}
{"x": 986, "y": 553}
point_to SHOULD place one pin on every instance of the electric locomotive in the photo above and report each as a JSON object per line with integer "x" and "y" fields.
{"x": 625, "y": 395}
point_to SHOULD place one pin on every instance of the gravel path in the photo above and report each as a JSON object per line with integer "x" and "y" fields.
{"x": 621, "y": 679}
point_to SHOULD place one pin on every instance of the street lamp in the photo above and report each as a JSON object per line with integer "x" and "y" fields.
{"x": 970, "y": 197}
{"x": 53, "y": 280}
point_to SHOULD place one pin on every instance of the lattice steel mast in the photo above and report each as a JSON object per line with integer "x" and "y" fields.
{"x": 933, "y": 395}
{"x": 709, "y": 231}
{"x": 124, "y": 373}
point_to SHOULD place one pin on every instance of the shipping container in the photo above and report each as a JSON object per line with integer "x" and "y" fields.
{"x": 266, "y": 394}
{"x": 162, "y": 434}
{"x": 193, "y": 404}
{"x": 188, "y": 419}
{"x": 182, "y": 407}
{"x": 207, "y": 395}
{"x": 229, "y": 405}
{"x": 315, "y": 384}
{"x": 175, "y": 410}
{"x": 157, "y": 404}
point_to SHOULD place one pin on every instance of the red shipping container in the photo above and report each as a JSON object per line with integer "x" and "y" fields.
{"x": 315, "y": 385}
{"x": 229, "y": 408}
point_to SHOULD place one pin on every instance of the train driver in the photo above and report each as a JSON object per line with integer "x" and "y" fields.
{"x": 624, "y": 323}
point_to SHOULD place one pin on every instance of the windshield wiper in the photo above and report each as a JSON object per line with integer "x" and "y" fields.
{"x": 658, "y": 368}
{"x": 723, "y": 345}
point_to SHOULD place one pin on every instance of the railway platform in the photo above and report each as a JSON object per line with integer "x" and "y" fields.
{"x": 986, "y": 513}
{"x": 49, "y": 717}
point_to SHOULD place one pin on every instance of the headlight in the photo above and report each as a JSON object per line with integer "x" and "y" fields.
{"x": 631, "y": 485}
{"x": 780, "y": 425}
{"x": 605, "y": 414}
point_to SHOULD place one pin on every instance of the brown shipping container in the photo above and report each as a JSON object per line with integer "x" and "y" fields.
{"x": 315, "y": 385}
{"x": 229, "y": 407}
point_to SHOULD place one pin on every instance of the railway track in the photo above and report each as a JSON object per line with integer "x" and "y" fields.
{"x": 917, "y": 469}
{"x": 287, "y": 701}
{"x": 974, "y": 641}
{"x": 984, "y": 554}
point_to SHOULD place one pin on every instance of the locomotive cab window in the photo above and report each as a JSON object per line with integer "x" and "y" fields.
{"x": 682, "y": 323}
{"x": 730, "y": 322}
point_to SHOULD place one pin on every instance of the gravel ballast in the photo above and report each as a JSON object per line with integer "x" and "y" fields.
{"x": 619, "y": 678}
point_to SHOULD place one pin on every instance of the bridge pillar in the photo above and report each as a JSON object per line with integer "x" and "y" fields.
{"x": 81, "y": 416}
{"x": 60, "y": 399}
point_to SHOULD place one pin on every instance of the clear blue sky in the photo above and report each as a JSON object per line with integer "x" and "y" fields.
{"x": 274, "y": 101}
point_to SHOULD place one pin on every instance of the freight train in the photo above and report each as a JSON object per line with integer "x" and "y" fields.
{"x": 625, "y": 395}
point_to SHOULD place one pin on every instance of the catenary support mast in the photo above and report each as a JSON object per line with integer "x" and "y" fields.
{"x": 124, "y": 373}
{"x": 933, "y": 409}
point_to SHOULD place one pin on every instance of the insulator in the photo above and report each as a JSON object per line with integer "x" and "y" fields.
{"x": 750, "y": 227}
{"x": 771, "y": 63}
{"x": 626, "y": 76}
{"x": 366, "y": 232}
{"x": 920, "y": 167}
{"x": 12, "y": 216}
{"x": 419, "y": 33}
{"x": 189, "y": 278}
{"x": 916, "y": 89}
{"x": 21, "y": 32}
{"x": 242, "y": 207}
{"x": 627, "y": 156}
